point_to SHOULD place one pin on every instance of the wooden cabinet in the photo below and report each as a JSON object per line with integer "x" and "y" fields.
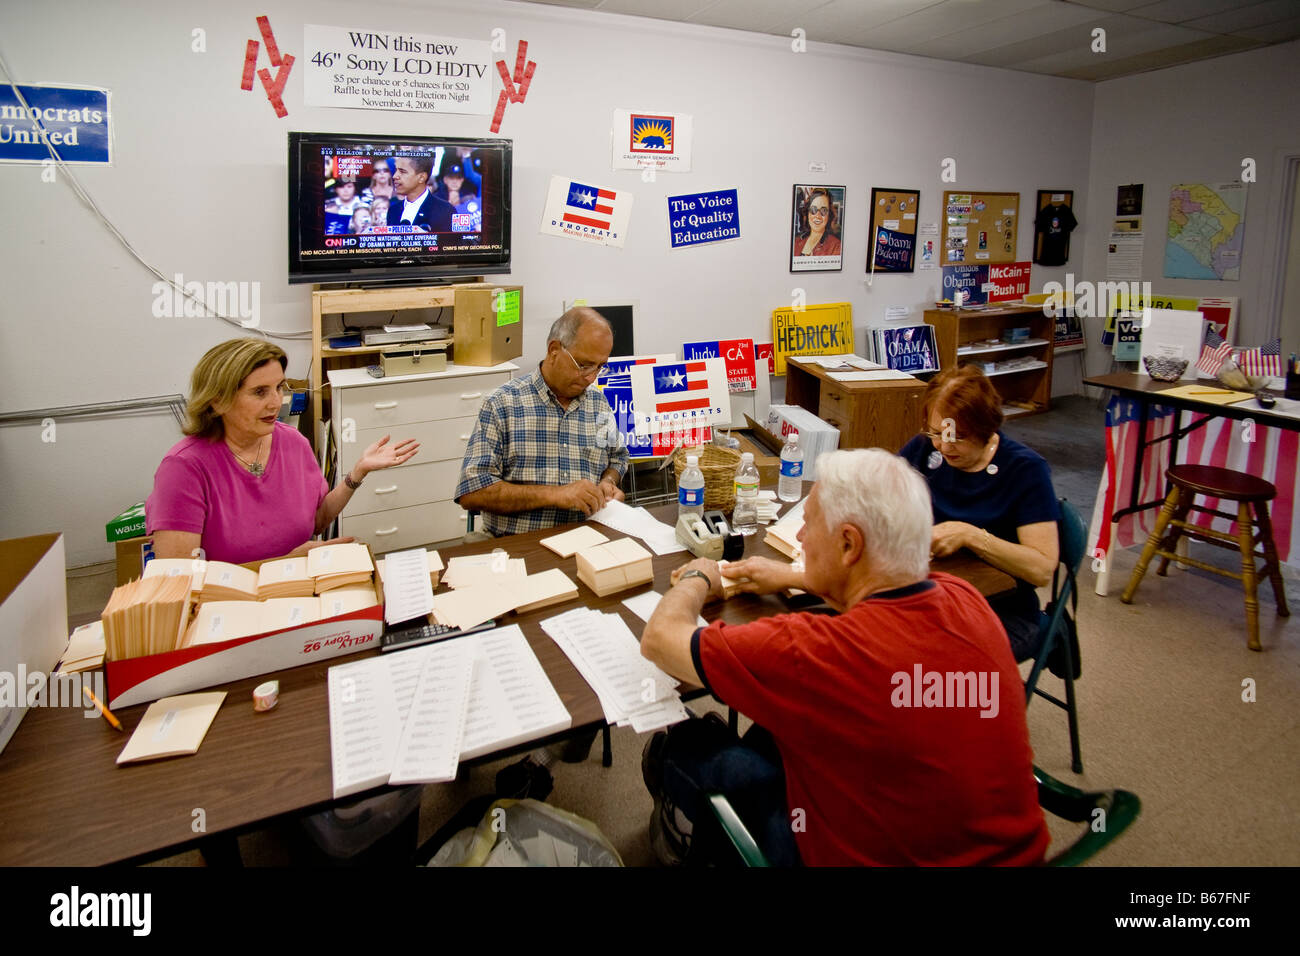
{"x": 1021, "y": 371}
{"x": 478, "y": 331}
{"x": 868, "y": 414}
{"x": 410, "y": 505}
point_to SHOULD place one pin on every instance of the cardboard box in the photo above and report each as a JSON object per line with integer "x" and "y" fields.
{"x": 141, "y": 679}
{"x": 132, "y": 555}
{"x": 488, "y": 324}
{"x": 768, "y": 464}
{"x": 33, "y": 619}
{"x": 129, "y": 524}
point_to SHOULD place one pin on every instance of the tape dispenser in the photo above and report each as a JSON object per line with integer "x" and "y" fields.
{"x": 710, "y": 537}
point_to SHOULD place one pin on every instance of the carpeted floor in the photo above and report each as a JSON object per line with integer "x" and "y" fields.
{"x": 1172, "y": 705}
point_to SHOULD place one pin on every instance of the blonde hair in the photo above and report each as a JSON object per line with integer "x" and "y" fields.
{"x": 217, "y": 378}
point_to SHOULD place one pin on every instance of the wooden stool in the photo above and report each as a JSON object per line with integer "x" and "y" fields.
{"x": 1188, "y": 481}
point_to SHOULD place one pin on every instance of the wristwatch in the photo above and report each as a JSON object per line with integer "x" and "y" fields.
{"x": 695, "y": 573}
{"x": 347, "y": 480}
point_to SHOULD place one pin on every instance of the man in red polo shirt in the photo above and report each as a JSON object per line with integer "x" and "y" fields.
{"x": 890, "y": 733}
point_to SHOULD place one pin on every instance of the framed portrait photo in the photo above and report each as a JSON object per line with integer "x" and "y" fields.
{"x": 817, "y": 229}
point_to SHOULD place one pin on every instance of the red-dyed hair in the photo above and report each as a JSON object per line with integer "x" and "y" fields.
{"x": 966, "y": 396}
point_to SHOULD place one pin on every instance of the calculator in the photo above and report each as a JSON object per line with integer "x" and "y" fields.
{"x": 400, "y": 640}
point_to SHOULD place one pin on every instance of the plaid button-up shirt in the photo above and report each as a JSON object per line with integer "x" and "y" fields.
{"x": 524, "y": 437}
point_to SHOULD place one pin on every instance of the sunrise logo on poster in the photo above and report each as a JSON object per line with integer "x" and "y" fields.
{"x": 651, "y": 134}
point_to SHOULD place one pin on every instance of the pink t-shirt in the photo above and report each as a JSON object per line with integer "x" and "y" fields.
{"x": 200, "y": 487}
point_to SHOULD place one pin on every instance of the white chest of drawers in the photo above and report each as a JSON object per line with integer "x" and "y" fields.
{"x": 410, "y": 505}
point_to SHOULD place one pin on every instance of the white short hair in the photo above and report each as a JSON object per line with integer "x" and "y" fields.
{"x": 884, "y": 498}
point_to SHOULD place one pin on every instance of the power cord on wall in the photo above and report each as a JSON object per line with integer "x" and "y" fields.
{"x": 90, "y": 204}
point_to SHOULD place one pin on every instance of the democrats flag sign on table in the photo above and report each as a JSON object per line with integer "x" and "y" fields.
{"x": 582, "y": 211}
{"x": 75, "y": 120}
{"x": 679, "y": 396}
{"x": 617, "y": 390}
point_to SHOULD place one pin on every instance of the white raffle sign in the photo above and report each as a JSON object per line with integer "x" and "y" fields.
{"x": 679, "y": 395}
{"x": 369, "y": 69}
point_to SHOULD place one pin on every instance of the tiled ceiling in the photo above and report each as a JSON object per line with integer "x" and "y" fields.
{"x": 1055, "y": 37}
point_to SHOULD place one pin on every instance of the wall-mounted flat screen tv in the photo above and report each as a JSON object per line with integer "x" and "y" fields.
{"x": 366, "y": 208}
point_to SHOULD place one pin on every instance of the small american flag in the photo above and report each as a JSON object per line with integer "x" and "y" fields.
{"x": 674, "y": 383}
{"x": 1212, "y": 338}
{"x": 1265, "y": 360}
{"x": 589, "y": 206}
{"x": 1212, "y": 359}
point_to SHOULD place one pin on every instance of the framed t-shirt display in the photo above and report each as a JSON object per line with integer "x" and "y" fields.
{"x": 1053, "y": 223}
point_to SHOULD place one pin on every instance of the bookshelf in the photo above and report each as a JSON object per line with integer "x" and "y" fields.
{"x": 1021, "y": 372}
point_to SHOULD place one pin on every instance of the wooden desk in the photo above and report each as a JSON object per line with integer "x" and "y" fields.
{"x": 882, "y": 414}
{"x": 1147, "y": 392}
{"x": 64, "y": 802}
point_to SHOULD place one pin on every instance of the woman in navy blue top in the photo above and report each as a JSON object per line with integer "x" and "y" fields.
{"x": 990, "y": 494}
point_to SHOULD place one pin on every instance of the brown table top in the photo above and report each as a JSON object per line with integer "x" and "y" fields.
{"x": 64, "y": 801}
{"x": 817, "y": 371}
{"x": 1147, "y": 388}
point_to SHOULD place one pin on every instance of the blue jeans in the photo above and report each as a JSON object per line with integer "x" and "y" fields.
{"x": 702, "y": 756}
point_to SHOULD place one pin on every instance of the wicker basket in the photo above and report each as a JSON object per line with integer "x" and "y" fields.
{"x": 719, "y": 466}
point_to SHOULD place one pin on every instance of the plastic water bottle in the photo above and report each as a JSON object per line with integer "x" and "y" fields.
{"x": 790, "y": 486}
{"x": 744, "y": 519}
{"x": 690, "y": 489}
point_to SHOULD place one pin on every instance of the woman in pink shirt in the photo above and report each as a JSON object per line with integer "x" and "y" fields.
{"x": 243, "y": 486}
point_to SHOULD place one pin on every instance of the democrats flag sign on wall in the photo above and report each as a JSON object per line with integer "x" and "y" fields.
{"x": 75, "y": 121}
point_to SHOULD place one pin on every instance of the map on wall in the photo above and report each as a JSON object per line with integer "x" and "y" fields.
{"x": 1206, "y": 225}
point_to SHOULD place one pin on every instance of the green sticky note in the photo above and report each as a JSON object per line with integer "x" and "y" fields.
{"x": 507, "y": 305}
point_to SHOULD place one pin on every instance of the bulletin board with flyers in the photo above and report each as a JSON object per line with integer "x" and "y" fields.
{"x": 979, "y": 227}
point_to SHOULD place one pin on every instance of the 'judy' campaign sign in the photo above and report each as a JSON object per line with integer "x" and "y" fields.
{"x": 74, "y": 119}
{"x": 737, "y": 353}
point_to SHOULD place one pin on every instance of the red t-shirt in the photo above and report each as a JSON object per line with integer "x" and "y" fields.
{"x": 883, "y": 775}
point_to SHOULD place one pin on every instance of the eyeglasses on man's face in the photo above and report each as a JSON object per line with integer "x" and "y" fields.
{"x": 586, "y": 368}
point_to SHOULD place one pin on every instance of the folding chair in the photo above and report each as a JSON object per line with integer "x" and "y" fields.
{"x": 1057, "y": 631}
{"x": 1118, "y": 809}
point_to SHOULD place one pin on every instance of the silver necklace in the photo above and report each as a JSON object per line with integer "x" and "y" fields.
{"x": 255, "y": 468}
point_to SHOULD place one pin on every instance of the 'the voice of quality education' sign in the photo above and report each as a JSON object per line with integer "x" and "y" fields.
{"x": 700, "y": 218}
{"x": 381, "y": 70}
{"x": 75, "y": 120}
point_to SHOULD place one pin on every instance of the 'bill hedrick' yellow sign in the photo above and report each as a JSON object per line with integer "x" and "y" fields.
{"x": 815, "y": 330}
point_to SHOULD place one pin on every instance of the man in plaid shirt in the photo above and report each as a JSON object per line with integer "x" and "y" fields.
{"x": 545, "y": 449}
